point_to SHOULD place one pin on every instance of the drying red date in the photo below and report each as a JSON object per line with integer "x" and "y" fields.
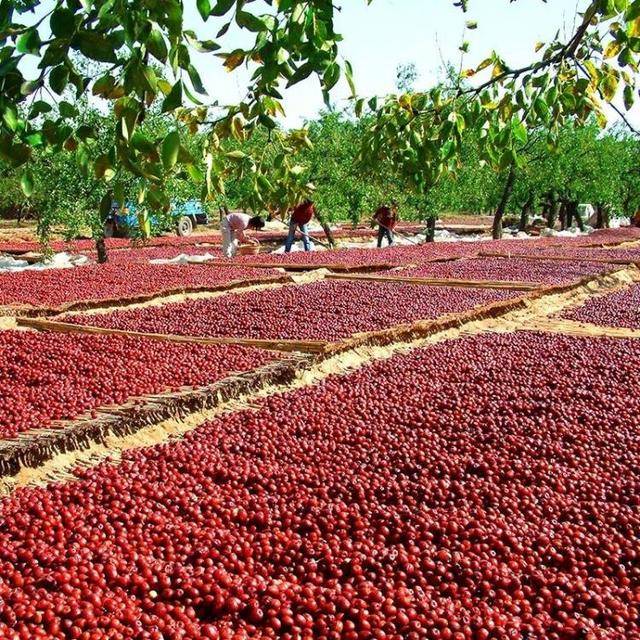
{"x": 46, "y": 377}
{"x": 619, "y": 309}
{"x": 512, "y": 269}
{"x": 326, "y": 310}
{"x": 111, "y": 281}
{"x": 485, "y": 488}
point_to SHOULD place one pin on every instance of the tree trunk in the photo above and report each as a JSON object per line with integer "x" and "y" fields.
{"x": 430, "y": 234}
{"x": 552, "y": 212}
{"x": 546, "y": 210}
{"x": 569, "y": 213}
{"x": 574, "y": 212}
{"x": 563, "y": 215}
{"x": 502, "y": 206}
{"x": 525, "y": 212}
{"x": 599, "y": 216}
{"x": 101, "y": 248}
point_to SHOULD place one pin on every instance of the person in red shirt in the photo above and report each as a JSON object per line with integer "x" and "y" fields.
{"x": 300, "y": 219}
{"x": 386, "y": 218}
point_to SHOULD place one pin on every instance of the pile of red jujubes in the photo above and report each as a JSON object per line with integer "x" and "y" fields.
{"x": 619, "y": 309}
{"x": 86, "y": 245}
{"x": 483, "y": 488}
{"x": 512, "y": 269}
{"x": 46, "y": 377}
{"x": 615, "y": 235}
{"x": 55, "y": 287}
{"x": 145, "y": 254}
{"x": 326, "y": 310}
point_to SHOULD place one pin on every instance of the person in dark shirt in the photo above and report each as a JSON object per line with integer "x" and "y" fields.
{"x": 386, "y": 217}
{"x": 300, "y": 219}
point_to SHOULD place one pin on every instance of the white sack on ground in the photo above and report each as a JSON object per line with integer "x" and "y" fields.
{"x": 183, "y": 258}
{"x": 63, "y": 260}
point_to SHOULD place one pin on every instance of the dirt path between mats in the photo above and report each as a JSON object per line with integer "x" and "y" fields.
{"x": 60, "y": 467}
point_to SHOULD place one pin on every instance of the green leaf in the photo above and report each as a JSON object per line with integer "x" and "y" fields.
{"x": 170, "y": 150}
{"x": 506, "y": 160}
{"x": 300, "y": 74}
{"x": 157, "y": 46}
{"x": 101, "y": 166}
{"x": 29, "y": 42}
{"x": 204, "y": 7}
{"x": 196, "y": 81}
{"x": 472, "y": 24}
{"x": 609, "y": 86}
{"x": 541, "y": 108}
{"x": 222, "y": 7}
{"x": 30, "y": 87}
{"x": 248, "y": 21}
{"x": 105, "y": 206}
{"x": 103, "y": 86}
{"x": 67, "y": 110}
{"x": 26, "y": 183}
{"x": 348, "y": 72}
{"x": 331, "y": 76}
{"x": 38, "y": 108}
{"x": 628, "y": 97}
{"x": 195, "y": 173}
{"x": 86, "y": 131}
{"x": 20, "y": 153}
{"x": 35, "y": 139}
{"x": 96, "y": 46}
{"x": 62, "y": 22}
{"x": 59, "y": 78}
{"x": 519, "y": 131}
{"x": 10, "y": 117}
{"x": 236, "y": 155}
{"x": 174, "y": 99}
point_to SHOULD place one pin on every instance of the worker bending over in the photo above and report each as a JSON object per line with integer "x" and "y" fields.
{"x": 300, "y": 218}
{"x": 233, "y": 226}
{"x": 386, "y": 218}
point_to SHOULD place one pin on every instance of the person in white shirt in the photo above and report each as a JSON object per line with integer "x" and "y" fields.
{"x": 233, "y": 227}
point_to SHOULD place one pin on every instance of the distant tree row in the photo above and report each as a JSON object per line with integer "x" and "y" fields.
{"x": 587, "y": 166}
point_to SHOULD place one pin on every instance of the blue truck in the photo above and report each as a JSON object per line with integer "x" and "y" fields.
{"x": 186, "y": 216}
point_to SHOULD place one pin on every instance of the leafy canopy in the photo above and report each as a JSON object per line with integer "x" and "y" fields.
{"x": 134, "y": 55}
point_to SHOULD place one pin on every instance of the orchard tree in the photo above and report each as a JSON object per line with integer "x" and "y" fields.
{"x": 119, "y": 45}
{"x": 346, "y": 189}
{"x": 498, "y": 104}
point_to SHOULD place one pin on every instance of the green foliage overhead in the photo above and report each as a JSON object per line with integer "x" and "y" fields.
{"x": 112, "y": 48}
{"x": 423, "y": 133}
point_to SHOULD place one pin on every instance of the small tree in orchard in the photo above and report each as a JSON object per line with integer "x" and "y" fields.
{"x": 112, "y": 48}
{"x": 345, "y": 188}
{"x": 405, "y": 133}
